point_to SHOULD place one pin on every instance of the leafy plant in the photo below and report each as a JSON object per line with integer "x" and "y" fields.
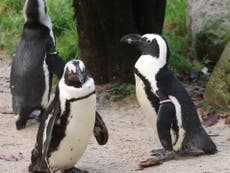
{"x": 119, "y": 91}
{"x": 9, "y": 5}
{"x": 64, "y": 28}
{"x": 176, "y": 33}
{"x": 10, "y": 18}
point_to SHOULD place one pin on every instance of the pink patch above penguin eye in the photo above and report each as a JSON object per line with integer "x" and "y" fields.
{"x": 71, "y": 68}
{"x": 81, "y": 65}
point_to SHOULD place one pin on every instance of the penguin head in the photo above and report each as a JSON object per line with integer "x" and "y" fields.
{"x": 149, "y": 44}
{"x": 75, "y": 74}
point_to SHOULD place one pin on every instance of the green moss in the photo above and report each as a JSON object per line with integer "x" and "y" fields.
{"x": 213, "y": 37}
{"x": 217, "y": 92}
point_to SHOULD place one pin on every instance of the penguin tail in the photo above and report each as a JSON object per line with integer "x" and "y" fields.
{"x": 201, "y": 141}
{"x": 211, "y": 149}
{"x": 208, "y": 147}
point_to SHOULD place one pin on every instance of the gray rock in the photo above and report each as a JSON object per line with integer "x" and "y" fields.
{"x": 217, "y": 92}
{"x": 209, "y": 23}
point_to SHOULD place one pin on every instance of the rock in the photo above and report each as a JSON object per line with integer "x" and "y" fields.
{"x": 217, "y": 92}
{"x": 209, "y": 23}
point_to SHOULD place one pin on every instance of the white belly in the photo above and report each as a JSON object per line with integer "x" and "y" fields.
{"x": 145, "y": 104}
{"x": 78, "y": 133}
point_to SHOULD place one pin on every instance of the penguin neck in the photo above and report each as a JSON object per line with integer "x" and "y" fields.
{"x": 70, "y": 92}
{"x": 149, "y": 66}
{"x": 46, "y": 21}
{"x": 35, "y": 13}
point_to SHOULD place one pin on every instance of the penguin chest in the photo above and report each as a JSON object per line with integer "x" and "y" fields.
{"x": 77, "y": 134}
{"x": 145, "y": 103}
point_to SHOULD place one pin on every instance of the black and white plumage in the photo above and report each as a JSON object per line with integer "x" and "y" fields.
{"x": 31, "y": 72}
{"x": 165, "y": 100}
{"x": 68, "y": 122}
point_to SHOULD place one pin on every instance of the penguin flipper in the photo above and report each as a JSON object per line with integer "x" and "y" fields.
{"x": 100, "y": 130}
{"x": 165, "y": 118}
{"x": 40, "y": 152}
{"x": 55, "y": 64}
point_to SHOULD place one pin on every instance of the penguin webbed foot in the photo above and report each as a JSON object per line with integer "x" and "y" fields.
{"x": 20, "y": 124}
{"x": 37, "y": 165}
{"x": 148, "y": 163}
{"x": 26, "y": 114}
{"x": 39, "y": 168}
{"x": 157, "y": 152}
{"x": 74, "y": 170}
{"x": 160, "y": 156}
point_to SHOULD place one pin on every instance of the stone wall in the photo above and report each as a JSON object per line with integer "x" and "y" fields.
{"x": 209, "y": 23}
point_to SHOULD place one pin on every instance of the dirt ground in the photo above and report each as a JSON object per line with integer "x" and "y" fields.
{"x": 131, "y": 140}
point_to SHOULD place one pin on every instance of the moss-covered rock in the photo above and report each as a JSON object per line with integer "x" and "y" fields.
{"x": 217, "y": 92}
{"x": 209, "y": 23}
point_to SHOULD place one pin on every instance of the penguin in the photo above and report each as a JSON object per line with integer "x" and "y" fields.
{"x": 31, "y": 74}
{"x": 56, "y": 66}
{"x": 67, "y": 124}
{"x": 166, "y": 101}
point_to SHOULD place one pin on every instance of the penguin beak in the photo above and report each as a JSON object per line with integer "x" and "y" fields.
{"x": 81, "y": 75}
{"x": 134, "y": 39}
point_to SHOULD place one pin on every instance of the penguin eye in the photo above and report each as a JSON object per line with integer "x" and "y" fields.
{"x": 149, "y": 41}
